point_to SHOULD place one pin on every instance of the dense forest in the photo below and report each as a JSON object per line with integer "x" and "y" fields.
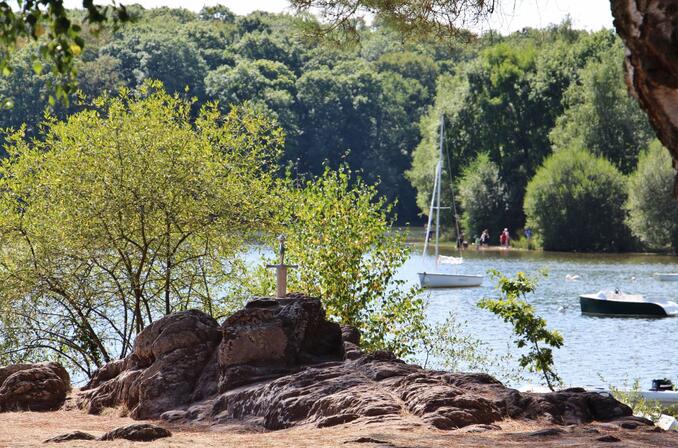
{"x": 511, "y": 105}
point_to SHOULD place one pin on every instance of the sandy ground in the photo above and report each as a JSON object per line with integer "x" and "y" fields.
{"x": 25, "y": 429}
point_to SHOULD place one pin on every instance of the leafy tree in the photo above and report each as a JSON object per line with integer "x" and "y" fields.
{"x": 269, "y": 84}
{"x": 152, "y": 208}
{"x": 482, "y": 196}
{"x": 340, "y": 234}
{"x": 602, "y": 116}
{"x": 566, "y": 199}
{"x": 411, "y": 65}
{"x": 512, "y": 307}
{"x": 264, "y": 45}
{"x": 169, "y": 58}
{"x": 653, "y": 212}
{"x": 504, "y": 102}
{"x": 413, "y": 17}
{"x": 49, "y": 22}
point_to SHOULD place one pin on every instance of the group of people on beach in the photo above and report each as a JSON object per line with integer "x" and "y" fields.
{"x": 484, "y": 239}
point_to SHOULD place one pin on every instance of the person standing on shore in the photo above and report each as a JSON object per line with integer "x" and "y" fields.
{"x": 485, "y": 238}
{"x": 505, "y": 238}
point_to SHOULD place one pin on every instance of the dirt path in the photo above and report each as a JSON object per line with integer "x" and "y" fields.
{"x": 27, "y": 429}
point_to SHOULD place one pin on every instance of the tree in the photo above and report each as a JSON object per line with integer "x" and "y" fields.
{"x": 49, "y": 22}
{"x": 340, "y": 234}
{"x": 567, "y": 198}
{"x": 482, "y": 196}
{"x": 531, "y": 330}
{"x": 165, "y": 57}
{"x": 602, "y": 116}
{"x": 653, "y": 212}
{"x": 443, "y": 18}
{"x": 123, "y": 213}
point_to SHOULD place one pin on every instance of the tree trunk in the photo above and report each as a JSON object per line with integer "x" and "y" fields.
{"x": 649, "y": 29}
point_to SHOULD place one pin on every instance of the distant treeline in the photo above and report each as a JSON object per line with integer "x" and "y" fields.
{"x": 508, "y": 101}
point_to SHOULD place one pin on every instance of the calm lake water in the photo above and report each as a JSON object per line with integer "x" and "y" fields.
{"x": 617, "y": 349}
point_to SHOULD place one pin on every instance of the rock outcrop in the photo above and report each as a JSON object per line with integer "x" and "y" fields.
{"x": 142, "y": 432}
{"x": 649, "y": 29}
{"x": 33, "y": 387}
{"x": 279, "y": 363}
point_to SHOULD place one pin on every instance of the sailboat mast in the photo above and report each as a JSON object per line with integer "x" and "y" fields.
{"x": 438, "y": 179}
{"x": 430, "y": 212}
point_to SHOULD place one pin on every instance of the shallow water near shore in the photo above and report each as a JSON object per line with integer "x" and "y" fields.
{"x": 597, "y": 350}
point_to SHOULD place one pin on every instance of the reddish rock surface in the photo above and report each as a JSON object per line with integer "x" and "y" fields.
{"x": 33, "y": 387}
{"x": 279, "y": 364}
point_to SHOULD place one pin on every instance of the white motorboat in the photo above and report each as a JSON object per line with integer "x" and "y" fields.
{"x": 666, "y": 277}
{"x": 438, "y": 280}
{"x": 616, "y": 303}
{"x": 443, "y": 279}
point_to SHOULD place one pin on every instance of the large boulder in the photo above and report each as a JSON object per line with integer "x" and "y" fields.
{"x": 271, "y": 337}
{"x": 33, "y": 387}
{"x": 168, "y": 360}
{"x": 186, "y": 357}
{"x": 378, "y": 387}
{"x": 280, "y": 363}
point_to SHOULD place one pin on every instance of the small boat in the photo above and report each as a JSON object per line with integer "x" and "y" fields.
{"x": 438, "y": 280}
{"x": 662, "y": 393}
{"x": 666, "y": 277}
{"x": 443, "y": 279}
{"x": 616, "y": 303}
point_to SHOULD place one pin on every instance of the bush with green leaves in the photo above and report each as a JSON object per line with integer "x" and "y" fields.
{"x": 483, "y": 197}
{"x": 653, "y": 211}
{"x": 575, "y": 202}
{"x": 125, "y": 212}
{"x": 447, "y": 345}
{"x": 530, "y": 329}
{"x": 339, "y": 231}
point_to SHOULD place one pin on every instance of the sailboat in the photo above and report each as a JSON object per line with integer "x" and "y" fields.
{"x": 443, "y": 279}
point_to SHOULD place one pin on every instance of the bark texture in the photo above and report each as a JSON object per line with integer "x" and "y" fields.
{"x": 649, "y": 29}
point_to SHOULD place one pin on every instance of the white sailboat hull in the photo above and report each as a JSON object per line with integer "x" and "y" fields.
{"x": 666, "y": 277}
{"x": 439, "y": 280}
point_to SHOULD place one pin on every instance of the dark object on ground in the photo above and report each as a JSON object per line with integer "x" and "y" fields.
{"x": 75, "y": 435}
{"x": 608, "y": 438}
{"x": 137, "y": 433}
{"x": 548, "y": 432}
{"x": 33, "y": 387}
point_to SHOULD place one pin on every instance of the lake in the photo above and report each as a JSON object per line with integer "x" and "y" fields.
{"x": 618, "y": 350}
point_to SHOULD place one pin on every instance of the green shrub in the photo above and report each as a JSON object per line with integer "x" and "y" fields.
{"x": 575, "y": 202}
{"x": 483, "y": 197}
{"x": 529, "y": 328}
{"x": 653, "y": 212}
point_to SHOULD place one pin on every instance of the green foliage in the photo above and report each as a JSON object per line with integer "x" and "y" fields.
{"x": 122, "y": 213}
{"x": 530, "y": 329}
{"x": 503, "y": 102}
{"x": 482, "y": 196}
{"x": 340, "y": 234}
{"x": 48, "y": 22}
{"x": 575, "y": 203}
{"x": 652, "y": 209}
{"x": 446, "y": 345}
{"x": 602, "y": 116}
